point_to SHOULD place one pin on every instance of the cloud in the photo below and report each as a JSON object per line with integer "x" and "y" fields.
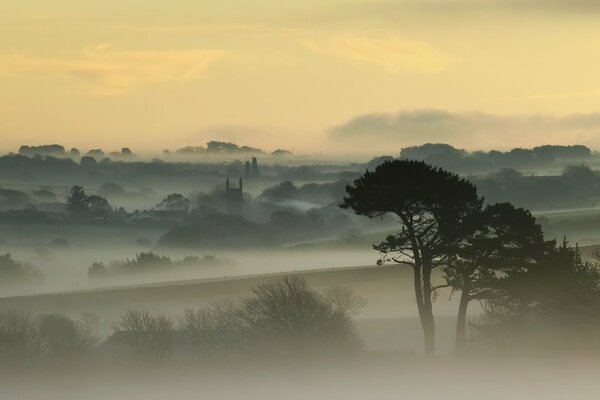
{"x": 391, "y": 53}
{"x": 105, "y": 71}
{"x": 482, "y": 5}
{"x": 473, "y": 130}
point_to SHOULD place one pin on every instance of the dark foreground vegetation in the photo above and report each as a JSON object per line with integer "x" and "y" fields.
{"x": 282, "y": 318}
{"x": 495, "y": 254}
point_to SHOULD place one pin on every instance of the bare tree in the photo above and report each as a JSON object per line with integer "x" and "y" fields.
{"x": 211, "y": 330}
{"x": 287, "y": 314}
{"x": 147, "y": 334}
{"x": 18, "y": 334}
{"x": 344, "y": 300}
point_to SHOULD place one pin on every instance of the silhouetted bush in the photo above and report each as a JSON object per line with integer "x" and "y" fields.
{"x": 18, "y": 336}
{"x": 146, "y": 334}
{"x": 286, "y": 316}
{"x": 62, "y": 337}
{"x": 213, "y": 330}
{"x": 12, "y": 271}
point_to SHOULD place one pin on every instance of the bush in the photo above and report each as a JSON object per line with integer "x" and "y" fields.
{"x": 286, "y": 315}
{"x": 63, "y": 337}
{"x": 146, "y": 334}
{"x": 18, "y": 335}
{"x": 12, "y": 271}
{"x": 97, "y": 270}
{"x": 212, "y": 331}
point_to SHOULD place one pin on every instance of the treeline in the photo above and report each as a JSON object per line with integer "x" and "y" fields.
{"x": 146, "y": 262}
{"x": 216, "y": 147}
{"x": 57, "y": 150}
{"x": 283, "y": 317}
{"x": 50, "y": 170}
{"x": 460, "y": 160}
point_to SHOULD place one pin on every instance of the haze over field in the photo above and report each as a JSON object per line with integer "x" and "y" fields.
{"x": 335, "y": 199}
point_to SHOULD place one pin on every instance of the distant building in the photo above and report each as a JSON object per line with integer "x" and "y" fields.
{"x": 251, "y": 169}
{"x": 254, "y": 169}
{"x": 234, "y": 198}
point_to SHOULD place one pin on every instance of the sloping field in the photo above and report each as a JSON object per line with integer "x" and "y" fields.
{"x": 389, "y": 321}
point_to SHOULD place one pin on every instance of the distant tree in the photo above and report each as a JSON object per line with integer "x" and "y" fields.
{"x": 97, "y": 270}
{"x": 87, "y": 161}
{"x": 95, "y": 153}
{"x": 77, "y": 201}
{"x": 126, "y": 151}
{"x": 430, "y": 204}
{"x": 74, "y": 152}
{"x": 99, "y": 207}
{"x": 281, "y": 153}
{"x": 505, "y": 240}
{"x": 12, "y": 271}
{"x": 284, "y": 191}
{"x": 344, "y": 300}
{"x": 580, "y": 174}
{"x": 174, "y": 202}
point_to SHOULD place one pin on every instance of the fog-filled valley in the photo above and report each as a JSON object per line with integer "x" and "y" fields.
{"x": 139, "y": 276}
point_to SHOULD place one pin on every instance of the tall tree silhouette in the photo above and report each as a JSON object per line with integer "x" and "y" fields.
{"x": 505, "y": 242}
{"x": 77, "y": 201}
{"x": 431, "y": 205}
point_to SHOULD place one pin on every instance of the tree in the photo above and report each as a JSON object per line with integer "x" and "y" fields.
{"x": 431, "y": 205}
{"x": 505, "y": 240}
{"x": 99, "y": 206}
{"x": 286, "y": 190}
{"x": 174, "y": 202}
{"x": 560, "y": 291}
{"x": 212, "y": 330}
{"x": 344, "y": 300}
{"x": 77, "y": 201}
{"x": 146, "y": 334}
{"x": 287, "y": 315}
{"x": 18, "y": 334}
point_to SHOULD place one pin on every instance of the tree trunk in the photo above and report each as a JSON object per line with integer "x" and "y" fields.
{"x": 461, "y": 322}
{"x": 422, "y": 283}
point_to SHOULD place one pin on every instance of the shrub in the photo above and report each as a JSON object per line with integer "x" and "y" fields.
{"x": 63, "y": 337}
{"x": 18, "y": 335}
{"x": 287, "y": 315}
{"x": 213, "y": 330}
{"x": 12, "y": 271}
{"x": 146, "y": 334}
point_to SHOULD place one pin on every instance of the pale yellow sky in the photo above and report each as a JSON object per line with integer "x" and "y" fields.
{"x": 153, "y": 74}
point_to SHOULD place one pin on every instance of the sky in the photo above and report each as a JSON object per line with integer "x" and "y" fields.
{"x": 327, "y": 76}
